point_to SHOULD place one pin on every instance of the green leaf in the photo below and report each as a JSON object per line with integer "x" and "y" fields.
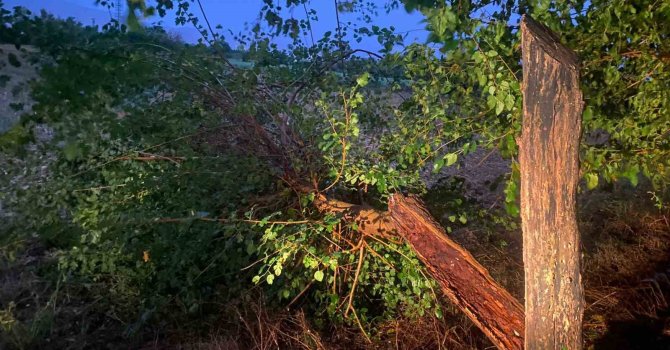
{"x": 438, "y": 165}
{"x": 500, "y": 106}
{"x": 588, "y": 113}
{"x": 363, "y": 79}
{"x": 270, "y": 278}
{"x": 318, "y": 275}
{"x": 450, "y": 44}
{"x": 632, "y": 175}
{"x": 509, "y": 102}
{"x": 71, "y": 151}
{"x": 591, "y": 180}
{"x": 477, "y": 56}
{"x": 451, "y": 158}
{"x": 481, "y": 79}
{"x": 512, "y": 209}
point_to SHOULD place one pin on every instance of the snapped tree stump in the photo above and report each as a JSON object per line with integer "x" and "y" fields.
{"x": 549, "y": 164}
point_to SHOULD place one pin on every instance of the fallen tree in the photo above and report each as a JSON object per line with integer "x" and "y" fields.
{"x": 466, "y": 283}
{"x": 477, "y": 82}
{"x": 265, "y": 131}
{"x": 463, "y": 280}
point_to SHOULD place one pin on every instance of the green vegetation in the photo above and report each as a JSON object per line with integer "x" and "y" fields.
{"x": 162, "y": 201}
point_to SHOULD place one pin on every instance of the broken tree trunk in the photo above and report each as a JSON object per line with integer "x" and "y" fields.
{"x": 549, "y": 164}
{"x": 466, "y": 283}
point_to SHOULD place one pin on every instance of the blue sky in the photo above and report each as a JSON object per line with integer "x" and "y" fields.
{"x": 233, "y": 15}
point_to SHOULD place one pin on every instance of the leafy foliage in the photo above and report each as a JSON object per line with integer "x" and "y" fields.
{"x": 473, "y": 87}
{"x": 156, "y": 192}
{"x": 150, "y": 196}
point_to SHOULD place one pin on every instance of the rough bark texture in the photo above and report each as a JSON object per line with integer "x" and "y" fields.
{"x": 461, "y": 277}
{"x": 549, "y": 163}
{"x": 466, "y": 283}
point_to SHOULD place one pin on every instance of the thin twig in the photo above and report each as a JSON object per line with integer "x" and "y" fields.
{"x": 177, "y": 220}
{"x": 343, "y": 141}
{"x": 204, "y": 15}
{"x": 361, "y": 255}
{"x": 361, "y": 327}
{"x": 300, "y": 294}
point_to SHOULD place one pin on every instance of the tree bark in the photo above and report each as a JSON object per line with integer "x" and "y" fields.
{"x": 466, "y": 283}
{"x": 549, "y": 164}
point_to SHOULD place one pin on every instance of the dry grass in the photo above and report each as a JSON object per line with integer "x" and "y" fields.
{"x": 248, "y": 325}
{"x": 252, "y": 326}
{"x": 627, "y": 265}
{"x": 627, "y": 282}
{"x": 626, "y": 276}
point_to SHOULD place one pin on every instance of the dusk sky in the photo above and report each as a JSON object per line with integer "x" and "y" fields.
{"x": 233, "y": 15}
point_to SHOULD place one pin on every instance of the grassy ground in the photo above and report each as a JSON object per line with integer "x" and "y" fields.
{"x": 626, "y": 245}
